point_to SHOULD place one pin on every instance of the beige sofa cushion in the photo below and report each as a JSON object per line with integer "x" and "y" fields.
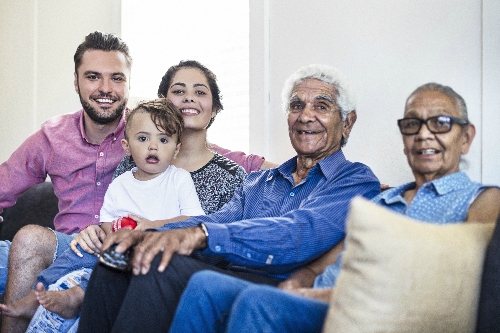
{"x": 401, "y": 275}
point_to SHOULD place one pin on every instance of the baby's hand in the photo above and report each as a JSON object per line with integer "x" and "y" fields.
{"x": 124, "y": 222}
{"x": 142, "y": 223}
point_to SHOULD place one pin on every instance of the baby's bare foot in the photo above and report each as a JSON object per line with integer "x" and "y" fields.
{"x": 24, "y": 308}
{"x": 65, "y": 303}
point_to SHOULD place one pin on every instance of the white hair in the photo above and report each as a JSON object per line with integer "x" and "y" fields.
{"x": 345, "y": 96}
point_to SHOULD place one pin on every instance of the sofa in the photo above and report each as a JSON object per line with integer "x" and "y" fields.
{"x": 38, "y": 205}
{"x": 394, "y": 274}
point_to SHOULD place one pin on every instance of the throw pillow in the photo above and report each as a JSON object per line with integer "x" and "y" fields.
{"x": 402, "y": 275}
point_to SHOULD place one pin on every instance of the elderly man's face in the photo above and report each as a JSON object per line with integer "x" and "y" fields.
{"x": 314, "y": 123}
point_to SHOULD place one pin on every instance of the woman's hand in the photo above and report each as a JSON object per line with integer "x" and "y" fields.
{"x": 303, "y": 278}
{"x": 320, "y": 294}
{"x": 90, "y": 240}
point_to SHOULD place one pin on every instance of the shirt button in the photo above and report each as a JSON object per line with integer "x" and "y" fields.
{"x": 98, "y": 183}
{"x": 249, "y": 255}
{"x": 217, "y": 248}
{"x": 101, "y": 154}
{"x": 96, "y": 216}
{"x": 292, "y": 194}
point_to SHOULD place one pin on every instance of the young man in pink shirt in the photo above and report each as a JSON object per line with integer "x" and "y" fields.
{"x": 79, "y": 152}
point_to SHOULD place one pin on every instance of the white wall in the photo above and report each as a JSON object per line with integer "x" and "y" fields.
{"x": 387, "y": 48}
{"x": 491, "y": 92}
{"x": 38, "y": 40}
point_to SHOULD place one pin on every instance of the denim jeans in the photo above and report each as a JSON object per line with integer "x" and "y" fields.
{"x": 46, "y": 321}
{"x": 214, "y": 302}
{"x": 62, "y": 244}
{"x": 66, "y": 263}
{"x": 4, "y": 263}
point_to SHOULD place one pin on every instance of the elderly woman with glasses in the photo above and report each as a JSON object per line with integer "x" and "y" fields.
{"x": 436, "y": 132}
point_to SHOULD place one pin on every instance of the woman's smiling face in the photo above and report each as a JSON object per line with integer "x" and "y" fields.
{"x": 429, "y": 155}
{"x": 190, "y": 93}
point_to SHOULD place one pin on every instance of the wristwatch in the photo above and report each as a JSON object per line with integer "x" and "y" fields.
{"x": 204, "y": 229}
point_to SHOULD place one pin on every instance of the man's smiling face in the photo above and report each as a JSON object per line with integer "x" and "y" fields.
{"x": 315, "y": 126}
{"x": 102, "y": 82}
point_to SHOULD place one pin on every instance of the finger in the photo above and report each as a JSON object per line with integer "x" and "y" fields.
{"x": 165, "y": 260}
{"x": 109, "y": 240}
{"x": 94, "y": 235}
{"x": 125, "y": 238}
{"x": 86, "y": 243}
{"x": 137, "y": 261}
{"x": 135, "y": 218}
{"x": 145, "y": 252}
{"x": 73, "y": 247}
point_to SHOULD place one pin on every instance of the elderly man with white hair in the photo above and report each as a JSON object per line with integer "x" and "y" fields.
{"x": 278, "y": 221}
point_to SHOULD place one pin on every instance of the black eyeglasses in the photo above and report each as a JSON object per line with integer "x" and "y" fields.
{"x": 436, "y": 125}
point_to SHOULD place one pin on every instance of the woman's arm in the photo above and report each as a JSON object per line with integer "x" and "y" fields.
{"x": 485, "y": 207}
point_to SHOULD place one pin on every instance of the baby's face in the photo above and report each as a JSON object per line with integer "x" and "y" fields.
{"x": 152, "y": 150}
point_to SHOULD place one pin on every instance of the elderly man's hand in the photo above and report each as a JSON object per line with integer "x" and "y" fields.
{"x": 149, "y": 244}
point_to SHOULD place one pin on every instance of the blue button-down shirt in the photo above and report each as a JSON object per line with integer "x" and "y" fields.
{"x": 443, "y": 200}
{"x": 273, "y": 227}
{"x": 440, "y": 201}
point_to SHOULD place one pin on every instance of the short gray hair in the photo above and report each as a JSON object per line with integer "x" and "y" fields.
{"x": 345, "y": 96}
{"x": 448, "y": 91}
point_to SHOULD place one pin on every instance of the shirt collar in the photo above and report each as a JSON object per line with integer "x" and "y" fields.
{"x": 441, "y": 186}
{"x": 450, "y": 183}
{"x": 327, "y": 166}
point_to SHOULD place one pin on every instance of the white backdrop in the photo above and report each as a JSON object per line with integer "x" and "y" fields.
{"x": 387, "y": 48}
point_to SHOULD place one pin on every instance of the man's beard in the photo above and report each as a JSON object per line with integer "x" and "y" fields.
{"x": 102, "y": 118}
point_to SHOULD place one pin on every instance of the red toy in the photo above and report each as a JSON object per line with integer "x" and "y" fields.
{"x": 124, "y": 222}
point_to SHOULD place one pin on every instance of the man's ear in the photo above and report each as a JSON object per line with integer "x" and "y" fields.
{"x": 349, "y": 123}
{"x": 126, "y": 147}
{"x": 75, "y": 82}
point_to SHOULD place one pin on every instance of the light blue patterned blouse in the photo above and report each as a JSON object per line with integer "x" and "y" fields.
{"x": 441, "y": 201}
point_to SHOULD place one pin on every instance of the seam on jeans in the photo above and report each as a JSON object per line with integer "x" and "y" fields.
{"x": 54, "y": 257}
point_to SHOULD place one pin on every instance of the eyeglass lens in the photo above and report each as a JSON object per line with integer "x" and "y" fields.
{"x": 439, "y": 124}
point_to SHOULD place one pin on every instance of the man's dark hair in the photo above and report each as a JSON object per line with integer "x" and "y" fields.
{"x": 104, "y": 42}
{"x": 166, "y": 81}
{"x": 164, "y": 115}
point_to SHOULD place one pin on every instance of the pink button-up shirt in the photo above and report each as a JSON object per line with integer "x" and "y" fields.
{"x": 80, "y": 171}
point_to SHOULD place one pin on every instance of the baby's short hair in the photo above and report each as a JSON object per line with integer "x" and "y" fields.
{"x": 164, "y": 115}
